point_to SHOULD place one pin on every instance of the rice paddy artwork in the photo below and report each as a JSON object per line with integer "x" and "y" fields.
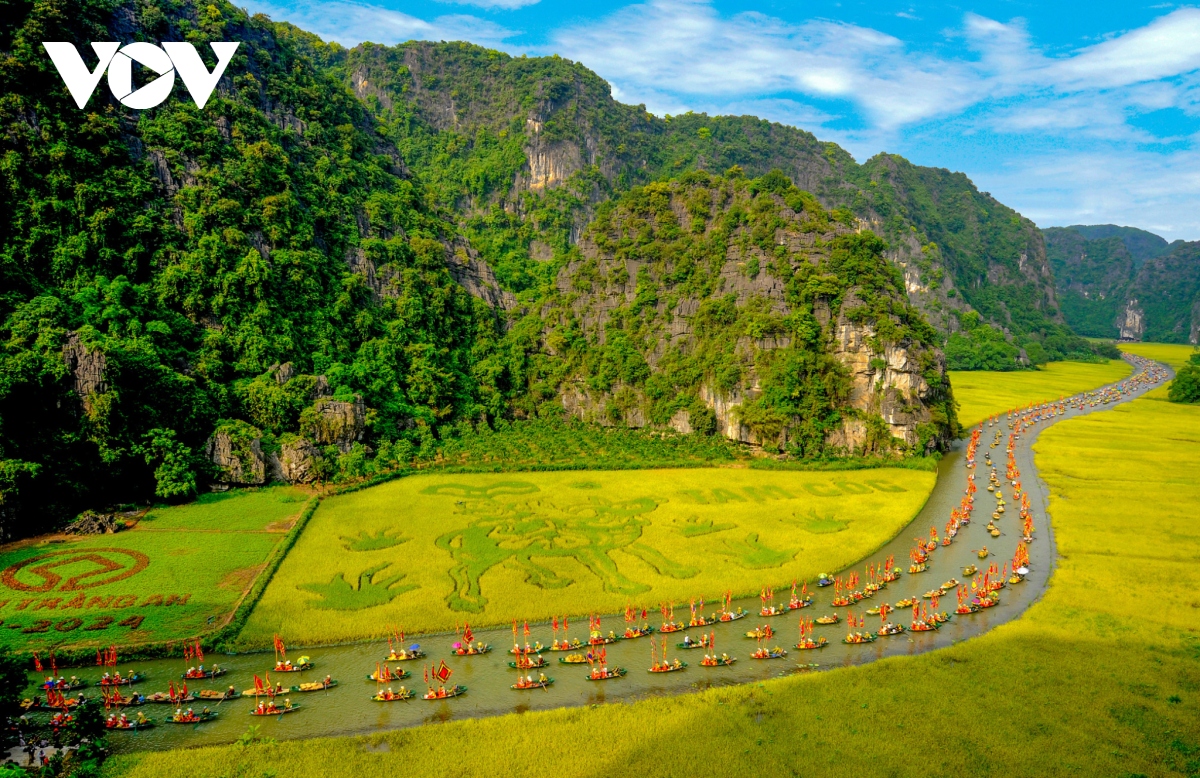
{"x": 428, "y": 552}
{"x": 172, "y": 575}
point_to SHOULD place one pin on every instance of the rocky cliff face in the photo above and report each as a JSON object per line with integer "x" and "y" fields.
{"x": 86, "y": 367}
{"x": 235, "y": 450}
{"x": 1127, "y": 282}
{"x": 768, "y": 318}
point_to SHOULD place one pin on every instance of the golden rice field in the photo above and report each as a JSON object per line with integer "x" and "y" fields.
{"x": 981, "y": 394}
{"x": 1172, "y": 354}
{"x": 1099, "y": 678}
{"x": 429, "y": 552}
{"x": 172, "y": 576}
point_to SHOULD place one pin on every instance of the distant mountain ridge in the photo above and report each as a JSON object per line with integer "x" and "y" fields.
{"x": 522, "y": 150}
{"x": 1126, "y": 282}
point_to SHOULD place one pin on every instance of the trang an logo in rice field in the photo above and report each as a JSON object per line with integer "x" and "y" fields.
{"x": 167, "y": 60}
{"x": 74, "y": 570}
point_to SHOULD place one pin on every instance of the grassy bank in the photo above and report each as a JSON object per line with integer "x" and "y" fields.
{"x": 428, "y": 552}
{"x": 1101, "y": 677}
{"x": 981, "y": 393}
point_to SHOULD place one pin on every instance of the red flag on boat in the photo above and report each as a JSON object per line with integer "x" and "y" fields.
{"x": 172, "y": 690}
{"x": 53, "y": 664}
{"x": 468, "y": 635}
{"x": 183, "y": 691}
{"x": 199, "y": 653}
{"x": 37, "y": 663}
{"x": 258, "y": 685}
{"x": 99, "y": 659}
{"x": 444, "y": 672}
{"x": 527, "y": 631}
{"x": 426, "y": 675}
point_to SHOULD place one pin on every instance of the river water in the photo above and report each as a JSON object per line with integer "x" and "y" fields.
{"x": 348, "y": 709}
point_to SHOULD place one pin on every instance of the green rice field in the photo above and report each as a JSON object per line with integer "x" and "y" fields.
{"x": 981, "y": 394}
{"x": 1101, "y": 677}
{"x": 181, "y": 571}
{"x": 429, "y": 552}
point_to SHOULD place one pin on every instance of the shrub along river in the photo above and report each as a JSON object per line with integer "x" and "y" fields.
{"x": 348, "y": 708}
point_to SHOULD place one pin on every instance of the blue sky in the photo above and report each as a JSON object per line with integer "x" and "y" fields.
{"x": 1069, "y": 112}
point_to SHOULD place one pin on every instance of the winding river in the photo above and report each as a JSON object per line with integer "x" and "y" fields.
{"x": 348, "y": 709}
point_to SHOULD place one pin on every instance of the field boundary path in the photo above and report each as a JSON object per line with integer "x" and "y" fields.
{"x": 348, "y": 710}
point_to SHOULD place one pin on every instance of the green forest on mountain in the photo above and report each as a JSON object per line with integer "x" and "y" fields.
{"x": 157, "y": 267}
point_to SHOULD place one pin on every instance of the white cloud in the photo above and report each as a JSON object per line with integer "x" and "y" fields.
{"x": 697, "y": 52}
{"x": 1158, "y": 192}
{"x": 351, "y": 23}
{"x": 494, "y": 5}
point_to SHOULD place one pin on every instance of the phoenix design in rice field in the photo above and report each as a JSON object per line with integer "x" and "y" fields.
{"x": 509, "y": 524}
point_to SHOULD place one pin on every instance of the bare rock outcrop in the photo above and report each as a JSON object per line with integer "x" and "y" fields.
{"x": 298, "y": 462}
{"x": 235, "y": 449}
{"x": 87, "y": 368}
{"x": 1132, "y": 322}
{"x": 335, "y": 423}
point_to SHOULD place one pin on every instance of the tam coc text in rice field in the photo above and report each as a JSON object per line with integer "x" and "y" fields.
{"x": 174, "y": 573}
{"x": 429, "y": 552}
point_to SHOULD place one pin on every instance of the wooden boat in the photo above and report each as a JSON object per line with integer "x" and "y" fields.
{"x": 530, "y": 663}
{"x": 826, "y": 620}
{"x": 966, "y": 609}
{"x": 403, "y": 694}
{"x": 217, "y": 694}
{"x": 668, "y": 667}
{"x": 63, "y": 685}
{"x": 892, "y": 576}
{"x": 923, "y": 626}
{"x": 873, "y": 611}
{"x": 888, "y": 630}
{"x": 858, "y": 638}
{"x": 164, "y": 698}
{"x": 40, "y": 704}
{"x": 536, "y": 648}
{"x": 599, "y": 640}
{"x": 732, "y": 616}
{"x": 995, "y": 532}
{"x": 759, "y": 633}
{"x": 127, "y": 725}
{"x": 405, "y": 655}
{"x": 199, "y": 675}
{"x": 574, "y": 645}
{"x": 920, "y": 568}
{"x": 444, "y": 693}
{"x": 824, "y": 580}
{"x": 573, "y": 659}
{"x": 195, "y": 718}
{"x": 809, "y": 644}
{"x": 929, "y": 595}
{"x": 717, "y": 661}
{"x": 270, "y": 710}
{"x": 673, "y": 626}
{"x": 475, "y": 650}
{"x": 314, "y": 686}
{"x": 952, "y": 583}
{"x": 970, "y": 570}
{"x": 689, "y": 645}
{"x": 523, "y": 685}
{"x": 396, "y": 675}
{"x": 276, "y": 692}
{"x": 907, "y": 602}
{"x": 128, "y": 680}
{"x": 769, "y": 653}
{"x": 842, "y": 602}
{"x": 772, "y": 610}
{"x": 287, "y": 667}
{"x": 633, "y": 633}
{"x": 607, "y": 674}
{"x": 800, "y": 602}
